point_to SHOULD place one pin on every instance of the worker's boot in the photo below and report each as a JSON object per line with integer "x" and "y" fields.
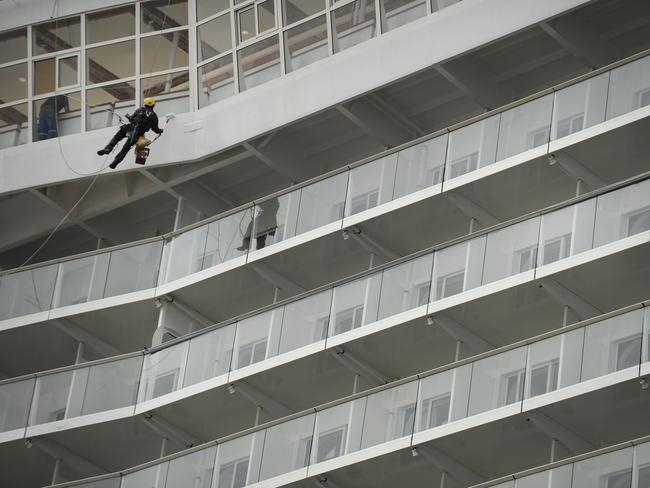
{"x": 103, "y": 151}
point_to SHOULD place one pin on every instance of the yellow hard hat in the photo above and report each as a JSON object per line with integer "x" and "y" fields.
{"x": 149, "y": 102}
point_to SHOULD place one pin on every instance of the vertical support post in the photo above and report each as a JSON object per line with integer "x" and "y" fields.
{"x": 443, "y": 479}
{"x": 457, "y": 355}
{"x": 193, "y": 55}
{"x": 553, "y": 448}
{"x": 55, "y": 472}
{"x": 138, "y": 56}
{"x": 82, "y": 74}
{"x": 355, "y": 385}
{"x": 31, "y": 123}
{"x": 579, "y": 185}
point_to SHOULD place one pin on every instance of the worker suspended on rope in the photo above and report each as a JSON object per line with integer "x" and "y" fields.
{"x": 143, "y": 120}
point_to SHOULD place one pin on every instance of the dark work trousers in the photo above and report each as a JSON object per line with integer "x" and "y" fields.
{"x": 131, "y": 133}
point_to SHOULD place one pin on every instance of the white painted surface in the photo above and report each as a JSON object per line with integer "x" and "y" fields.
{"x": 360, "y": 69}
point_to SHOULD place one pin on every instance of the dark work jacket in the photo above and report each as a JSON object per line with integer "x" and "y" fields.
{"x": 145, "y": 119}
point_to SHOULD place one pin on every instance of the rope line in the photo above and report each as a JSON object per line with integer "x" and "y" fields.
{"x": 95, "y": 174}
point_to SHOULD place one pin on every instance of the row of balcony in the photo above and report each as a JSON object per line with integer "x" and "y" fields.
{"x": 417, "y": 286}
{"x": 437, "y": 163}
{"x": 518, "y": 378}
{"x": 625, "y": 465}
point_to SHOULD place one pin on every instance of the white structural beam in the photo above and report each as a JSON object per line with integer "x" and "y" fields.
{"x": 377, "y": 121}
{"x": 559, "y": 432}
{"x": 167, "y": 430}
{"x": 458, "y": 471}
{"x": 84, "y": 336}
{"x": 43, "y": 196}
{"x": 460, "y": 333}
{"x": 576, "y": 169}
{"x": 398, "y": 117}
{"x": 260, "y": 399}
{"x": 188, "y": 310}
{"x": 108, "y": 194}
{"x": 284, "y": 168}
{"x": 472, "y": 83}
{"x": 370, "y": 243}
{"x": 358, "y": 366}
{"x": 277, "y": 279}
{"x": 77, "y": 462}
{"x": 581, "y": 39}
{"x": 472, "y": 210}
{"x": 563, "y": 295}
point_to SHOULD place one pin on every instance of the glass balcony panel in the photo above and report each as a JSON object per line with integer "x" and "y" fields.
{"x": 27, "y": 292}
{"x": 497, "y": 381}
{"x": 13, "y": 45}
{"x": 105, "y": 103}
{"x": 390, "y": 415}
{"x": 151, "y": 477}
{"x": 443, "y": 398}
{"x": 172, "y": 92}
{"x": 164, "y": 52}
{"x": 192, "y": 470}
{"x": 395, "y": 13}
{"x": 458, "y": 268}
{"x": 420, "y": 166}
{"x": 322, "y": 203}
{"x": 306, "y": 43}
{"x": 629, "y": 88}
{"x": 287, "y": 447}
{"x": 105, "y": 483}
{"x": 305, "y": 321}
{"x": 554, "y": 363}
{"x": 238, "y": 461}
{"x": 163, "y": 14}
{"x": 257, "y": 338}
{"x": 56, "y": 35}
{"x": 133, "y": 268}
{"x": 405, "y": 287}
{"x": 608, "y": 470}
{"x": 642, "y": 465}
{"x": 525, "y": 127}
{"x": 14, "y": 127}
{"x": 184, "y": 254}
{"x": 355, "y": 304}
{"x": 259, "y": 62}
{"x": 622, "y": 213}
{"x": 566, "y": 232}
{"x": 580, "y": 106}
{"x": 210, "y": 355}
{"x": 225, "y": 239}
{"x": 473, "y": 146}
{"x": 352, "y": 24}
{"x": 338, "y": 431}
{"x": 110, "y": 24}
{"x": 13, "y": 82}
{"x": 51, "y": 394}
{"x": 112, "y": 385}
{"x": 58, "y": 115}
{"x": 214, "y": 37}
{"x": 612, "y": 345}
{"x": 110, "y": 62}
{"x": 553, "y": 478}
{"x": 216, "y": 81}
{"x": 15, "y": 399}
{"x": 371, "y": 184}
{"x": 81, "y": 280}
{"x": 275, "y": 220}
{"x": 163, "y": 372}
{"x": 511, "y": 250}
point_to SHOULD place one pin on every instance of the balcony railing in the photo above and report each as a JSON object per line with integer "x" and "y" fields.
{"x": 624, "y": 465}
{"x": 395, "y": 416}
{"x": 525, "y": 127}
{"x": 312, "y": 322}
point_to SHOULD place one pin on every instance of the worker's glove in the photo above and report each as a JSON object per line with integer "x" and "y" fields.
{"x": 129, "y": 117}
